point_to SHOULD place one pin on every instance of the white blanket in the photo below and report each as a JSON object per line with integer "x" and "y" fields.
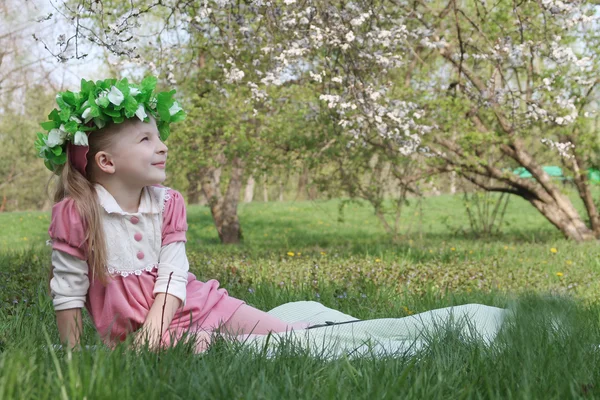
{"x": 379, "y": 337}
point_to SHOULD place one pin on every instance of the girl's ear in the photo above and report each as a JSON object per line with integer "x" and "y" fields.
{"x": 104, "y": 162}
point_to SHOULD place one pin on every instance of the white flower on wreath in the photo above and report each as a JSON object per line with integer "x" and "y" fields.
{"x": 175, "y": 108}
{"x": 80, "y": 139}
{"x": 56, "y": 137}
{"x": 141, "y": 112}
{"x": 115, "y": 96}
{"x": 86, "y": 114}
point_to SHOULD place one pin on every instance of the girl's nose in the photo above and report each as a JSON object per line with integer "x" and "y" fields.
{"x": 162, "y": 148}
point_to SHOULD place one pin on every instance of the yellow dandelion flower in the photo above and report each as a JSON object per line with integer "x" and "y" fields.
{"x": 290, "y": 253}
{"x": 377, "y": 260}
{"x": 553, "y": 250}
{"x": 453, "y": 249}
{"x": 559, "y": 274}
{"x": 470, "y": 251}
{"x": 505, "y": 247}
{"x": 299, "y": 253}
{"x": 431, "y": 251}
{"x": 569, "y": 262}
{"x": 323, "y": 253}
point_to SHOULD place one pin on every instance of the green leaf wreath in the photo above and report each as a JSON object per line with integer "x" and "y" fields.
{"x": 98, "y": 104}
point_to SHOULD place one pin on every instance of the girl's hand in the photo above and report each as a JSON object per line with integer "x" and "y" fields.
{"x": 142, "y": 339}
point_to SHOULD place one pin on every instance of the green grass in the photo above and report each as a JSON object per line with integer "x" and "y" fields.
{"x": 300, "y": 251}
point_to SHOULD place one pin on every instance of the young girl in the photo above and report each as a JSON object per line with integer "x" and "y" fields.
{"x": 118, "y": 237}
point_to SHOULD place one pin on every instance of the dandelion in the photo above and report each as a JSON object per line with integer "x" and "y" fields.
{"x": 553, "y": 250}
{"x": 559, "y": 274}
{"x": 470, "y": 251}
{"x": 290, "y": 253}
{"x": 569, "y": 262}
{"x": 453, "y": 249}
{"x": 299, "y": 253}
{"x": 323, "y": 253}
{"x": 431, "y": 251}
{"x": 505, "y": 247}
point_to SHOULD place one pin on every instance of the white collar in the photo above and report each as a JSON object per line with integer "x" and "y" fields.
{"x": 149, "y": 203}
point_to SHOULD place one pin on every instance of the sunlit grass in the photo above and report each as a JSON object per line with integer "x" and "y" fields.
{"x": 300, "y": 251}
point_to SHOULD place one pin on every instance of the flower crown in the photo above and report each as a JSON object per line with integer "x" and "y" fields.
{"x": 98, "y": 104}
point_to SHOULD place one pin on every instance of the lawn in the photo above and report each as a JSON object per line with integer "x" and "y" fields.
{"x": 302, "y": 251}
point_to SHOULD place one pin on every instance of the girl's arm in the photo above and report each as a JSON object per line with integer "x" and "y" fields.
{"x": 70, "y": 326}
{"x": 151, "y": 329}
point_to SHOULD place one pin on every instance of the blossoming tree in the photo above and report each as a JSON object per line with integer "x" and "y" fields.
{"x": 475, "y": 87}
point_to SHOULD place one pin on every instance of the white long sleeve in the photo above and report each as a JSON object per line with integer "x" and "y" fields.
{"x": 173, "y": 259}
{"x": 70, "y": 283}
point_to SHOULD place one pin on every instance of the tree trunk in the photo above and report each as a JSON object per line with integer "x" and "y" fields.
{"x": 265, "y": 189}
{"x": 249, "y": 192}
{"x": 281, "y": 188}
{"x": 302, "y": 182}
{"x": 224, "y": 208}
{"x": 194, "y": 191}
{"x": 541, "y": 192}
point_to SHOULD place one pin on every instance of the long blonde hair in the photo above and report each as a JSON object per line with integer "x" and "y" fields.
{"x": 71, "y": 183}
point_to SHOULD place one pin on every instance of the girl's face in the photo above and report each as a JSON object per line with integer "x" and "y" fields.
{"x": 138, "y": 155}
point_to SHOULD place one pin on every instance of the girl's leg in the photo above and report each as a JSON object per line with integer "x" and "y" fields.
{"x": 250, "y": 320}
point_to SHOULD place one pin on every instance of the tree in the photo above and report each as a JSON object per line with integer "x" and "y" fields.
{"x": 472, "y": 87}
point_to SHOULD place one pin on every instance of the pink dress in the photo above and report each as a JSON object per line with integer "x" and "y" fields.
{"x": 121, "y": 307}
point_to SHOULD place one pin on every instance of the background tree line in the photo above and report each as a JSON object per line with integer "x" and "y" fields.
{"x": 372, "y": 100}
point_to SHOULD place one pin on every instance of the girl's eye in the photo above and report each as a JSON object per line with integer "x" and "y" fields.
{"x": 146, "y": 138}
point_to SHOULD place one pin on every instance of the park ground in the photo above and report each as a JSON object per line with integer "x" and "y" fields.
{"x": 304, "y": 251}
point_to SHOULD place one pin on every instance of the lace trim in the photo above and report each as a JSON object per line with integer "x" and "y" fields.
{"x": 137, "y": 272}
{"x": 167, "y": 197}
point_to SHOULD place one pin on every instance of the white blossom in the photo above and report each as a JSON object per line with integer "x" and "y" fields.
{"x": 80, "y": 139}
{"x": 562, "y": 148}
{"x": 175, "y": 108}
{"x": 115, "y": 96}
{"x": 141, "y": 112}
{"x": 56, "y": 137}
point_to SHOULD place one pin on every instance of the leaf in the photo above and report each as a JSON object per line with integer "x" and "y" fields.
{"x": 163, "y": 130}
{"x": 103, "y": 102}
{"x": 180, "y": 116}
{"x": 148, "y": 84}
{"x": 164, "y": 101}
{"x": 71, "y": 127}
{"x": 118, "y": 120}
{"x": 49, "y": 125}
{"x": 87, "y": 86}
{"x": 113, "y": 113}
{"x": 57, "y": 150}
{"x": 61, "y": 103}
{"x": 54, "y": 116}
{"x": 65, "y": 114}
{"x": 69, "y": 98}
{"x": 123, "y": 86}
{"x": 130, "y": 105}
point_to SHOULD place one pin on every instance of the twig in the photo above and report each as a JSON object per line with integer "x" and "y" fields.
{"x": 163, "y": 311}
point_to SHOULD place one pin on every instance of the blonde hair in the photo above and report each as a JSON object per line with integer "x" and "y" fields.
{"x": 71, "y": 183}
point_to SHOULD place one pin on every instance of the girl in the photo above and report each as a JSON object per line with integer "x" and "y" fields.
{"x": 118, "y": 237}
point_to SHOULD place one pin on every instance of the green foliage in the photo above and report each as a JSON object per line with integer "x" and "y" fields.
{"x": 97, "y": 104}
